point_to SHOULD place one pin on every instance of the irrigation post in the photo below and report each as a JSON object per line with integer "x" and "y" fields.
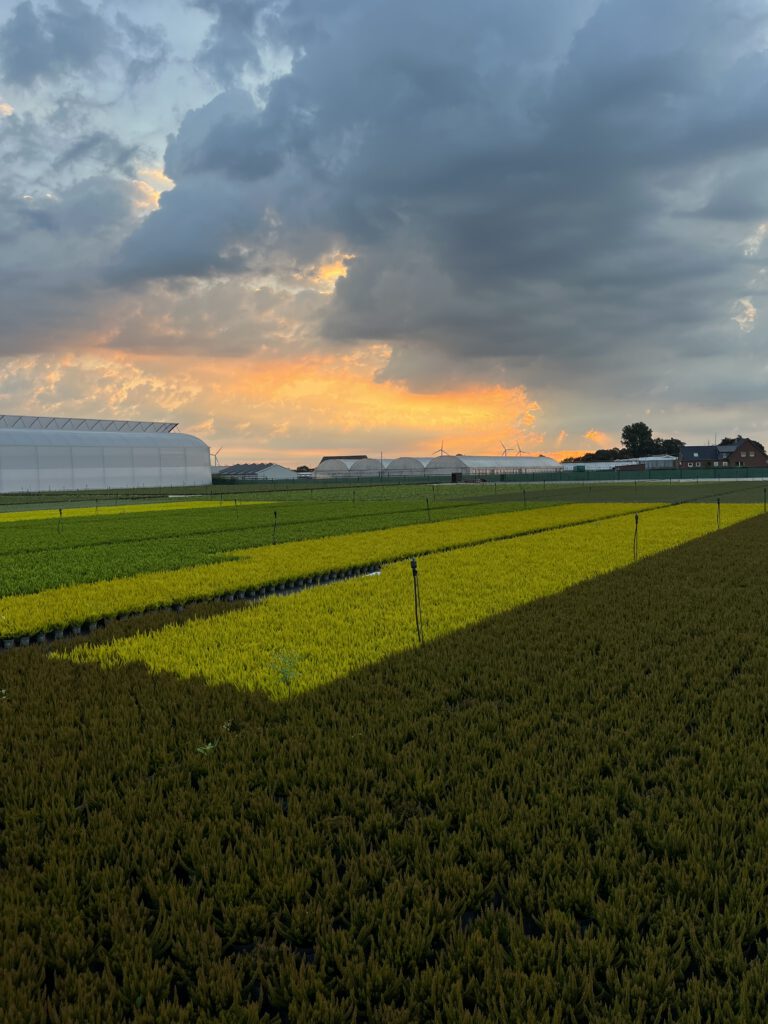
{"x": 718, "y": 513}
{"x": 764, "y": 499}
{"x": 429, "y": 514}
{"x": 417, "y": 601}
{"x": 274, "y": 527}
{"x": 60, "y": 522}
{"x": 525, "y": 504}
{"x": 634, "y": 547}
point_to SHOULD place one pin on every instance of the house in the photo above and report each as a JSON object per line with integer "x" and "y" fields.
{"x": 739, "y": 452}
{"x": 252, "y": 472}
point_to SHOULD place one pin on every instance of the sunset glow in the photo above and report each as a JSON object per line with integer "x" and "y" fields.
{"x": 195, "y": 195}
{"x": 149, "y": 186}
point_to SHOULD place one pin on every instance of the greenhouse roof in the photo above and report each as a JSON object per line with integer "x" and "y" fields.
{"x": 11, "y": 422}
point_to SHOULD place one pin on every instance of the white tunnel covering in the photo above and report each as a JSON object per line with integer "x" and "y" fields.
{"x": 73, "y": 460}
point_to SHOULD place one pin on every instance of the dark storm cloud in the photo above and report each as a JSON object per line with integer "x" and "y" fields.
{"x": 529, "y": 185}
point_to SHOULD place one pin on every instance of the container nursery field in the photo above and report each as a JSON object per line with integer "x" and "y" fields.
{"x": 253, "y": 568}
{"x": 287, "y": 646}
{"x": 85, "y": 545}
{"x": 555, "y": 815}
{"x": 39, "y": 550}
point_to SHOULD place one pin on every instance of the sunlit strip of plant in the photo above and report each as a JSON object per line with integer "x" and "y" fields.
{"x": 96, "y": 509}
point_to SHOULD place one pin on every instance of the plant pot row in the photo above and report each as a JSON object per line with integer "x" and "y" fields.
{"x": 284, "y": 587}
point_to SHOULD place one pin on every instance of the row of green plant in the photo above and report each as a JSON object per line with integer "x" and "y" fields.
{"x": 557, "y": 815}
{"x": 253, "y": 568}
{"x": 286, "y": 646}
{"x": 36, "y": 556}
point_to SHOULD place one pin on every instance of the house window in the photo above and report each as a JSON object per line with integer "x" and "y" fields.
{"x": 751, "y": 455}
{"x": 695, "y": 455}
{"x": 698, "y": 464}
{"x": 743, "y": 455}
{"x": 690, "y": 464}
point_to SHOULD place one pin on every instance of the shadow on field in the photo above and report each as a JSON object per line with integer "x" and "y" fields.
{"x": 556, "y": 814}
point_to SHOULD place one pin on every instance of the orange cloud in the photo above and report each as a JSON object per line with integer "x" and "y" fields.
{"x": 599, "y": 438}
{"x": 274, "y": 409}
{"x": 327, "y": 273}
{"x": 322, "y": 403}
{"x": 148, "y": 188}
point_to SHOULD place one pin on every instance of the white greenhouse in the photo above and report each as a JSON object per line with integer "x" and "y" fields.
{"x": 405, "y": 466}
{"x": 40, "y": 453}
{"x": 449, "y": 467}
{"x": 476, "y": 467}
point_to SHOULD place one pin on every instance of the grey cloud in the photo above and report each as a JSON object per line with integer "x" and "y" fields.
{"x": 211, "y": 218}
{"x": 40, "y": 43}
{"x": 48, "y": 42}
{"x": 225, "y": 136}
{"x": 51, "y": 257}
{"x": 103, "y": 148}
{"x": 232, "y": 44}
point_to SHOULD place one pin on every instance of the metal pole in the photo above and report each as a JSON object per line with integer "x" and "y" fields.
{"x": 274, "y": 527}
{"x": 416, "y": 601}
{"x": 718, "y": 513}
{"x": 637, "y": 521}
{"x": 429, "y": 514}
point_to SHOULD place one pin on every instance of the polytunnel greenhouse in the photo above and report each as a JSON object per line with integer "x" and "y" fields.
{"x": 57, "y": 454}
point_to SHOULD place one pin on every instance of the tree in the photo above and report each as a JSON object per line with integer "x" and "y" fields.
{"x": 637, "y": 439}
{"x": 668, "y": 445}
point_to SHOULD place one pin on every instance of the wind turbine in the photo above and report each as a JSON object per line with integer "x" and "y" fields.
{"x": 216, "y": 457}
{"x": 440, "y": 450}
{"x": 504, "y": 448}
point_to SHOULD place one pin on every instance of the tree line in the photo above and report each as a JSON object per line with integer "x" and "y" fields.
{"x": 637, "y": 440}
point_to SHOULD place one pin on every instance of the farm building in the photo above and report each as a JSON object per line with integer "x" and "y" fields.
{"x": 39, "y": 453}
{"x": 256, "y": 471}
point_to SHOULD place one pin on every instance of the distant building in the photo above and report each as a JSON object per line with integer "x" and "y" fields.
{"x": 449, "y": 467}
{"x": 638, "y": 465}
{"x": 742, "y": 452}
{"x": 255, "y": 471}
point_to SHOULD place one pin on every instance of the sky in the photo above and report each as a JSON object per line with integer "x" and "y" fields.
{"x": 306, "y": 227}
